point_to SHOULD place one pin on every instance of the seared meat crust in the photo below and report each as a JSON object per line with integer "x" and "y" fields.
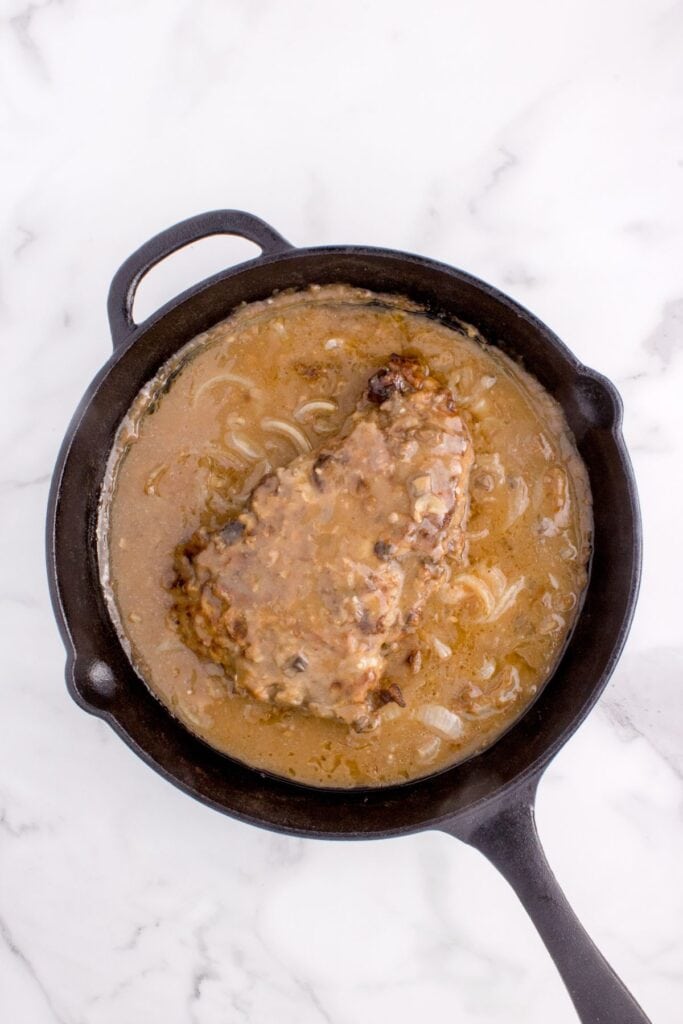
{"x": 301, "y": 596}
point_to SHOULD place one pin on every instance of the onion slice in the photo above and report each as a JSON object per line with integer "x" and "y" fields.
{"x": 441, "y": 721}
{"x": 427, "y": 751}
{"x": 296, "y": 436}
{"x": 244, "y": 446}
{"x": 519, "y": 503}
{"x": 442, "y": 649}
{"x": 226, "y": 378}
{"x": 469, "y": 582}
{"x": 507, "y": 599}
{"x": 317, "y": 405}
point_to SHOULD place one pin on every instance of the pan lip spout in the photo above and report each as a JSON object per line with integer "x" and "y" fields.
{"x": 99, "y": 674}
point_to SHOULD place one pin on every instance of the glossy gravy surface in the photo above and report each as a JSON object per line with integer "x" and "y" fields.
{"x": 276, "y": 379}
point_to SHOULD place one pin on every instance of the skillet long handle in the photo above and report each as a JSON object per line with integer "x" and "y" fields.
{"x": 507, "y": 836}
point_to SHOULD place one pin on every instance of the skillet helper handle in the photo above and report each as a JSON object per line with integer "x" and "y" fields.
{"x": 509, "y": 839}
{"x": 216, "y": 222}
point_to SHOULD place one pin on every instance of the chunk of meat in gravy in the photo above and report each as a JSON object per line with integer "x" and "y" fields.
{"x": 302, "y": 595}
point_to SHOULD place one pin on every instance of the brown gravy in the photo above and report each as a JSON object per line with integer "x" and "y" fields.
{"x": 278, "y": 378}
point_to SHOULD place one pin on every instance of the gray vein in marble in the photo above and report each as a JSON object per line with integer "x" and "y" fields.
{"x": 126, "y": 983}
{"x": 284, "y": 851}
{"x": 241, "y": 992}
{"x": 666, "y": 340}
{"x": 449, "y": 931}
{"x": 22, "y": 26}
{"x": 654, "y": 711}
{"x": 17, "y": 485}
{"x": 239, "y": 998}
{"x": 206, "y": 969}
{"x": 139, "y": 930}
{"x": 307, "y": 988}
{"x": 520, "y": 276}
{"x": 302, "y": 985}
{"x": 7, "y": 939}
{"x": 431, "y": 222}
{"x": 28, "y": 239}
{"x": 507, "y": 162}
{"x": 17, "y": 831}
{"x": 620, "y": 716}
{"x": 22, "y": 601}
{"x": 630, "y": 377}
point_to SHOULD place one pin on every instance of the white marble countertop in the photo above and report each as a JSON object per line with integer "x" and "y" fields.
{"x": 539, "y": 146}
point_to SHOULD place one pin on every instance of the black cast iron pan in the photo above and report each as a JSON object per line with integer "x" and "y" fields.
{"x": 488, "y": 801}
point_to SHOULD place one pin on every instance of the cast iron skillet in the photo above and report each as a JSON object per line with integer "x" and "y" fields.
{"x": 488, "y": 801}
